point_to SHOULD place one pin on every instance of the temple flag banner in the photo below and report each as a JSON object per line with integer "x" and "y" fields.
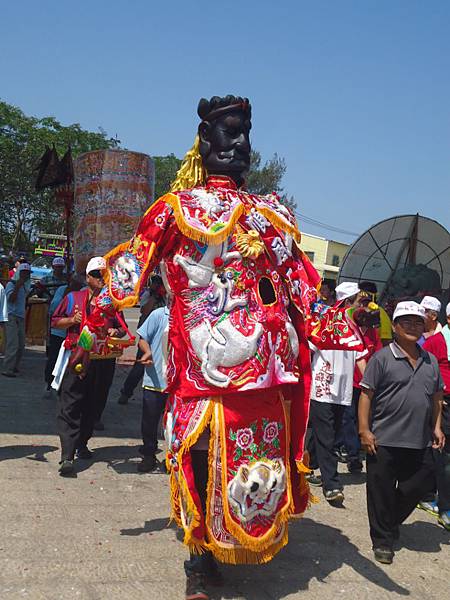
{"x": 113, "y": 188}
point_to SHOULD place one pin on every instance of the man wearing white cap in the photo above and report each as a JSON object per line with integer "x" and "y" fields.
{"x": 82, "y": 399}
{"x": 399, "y": 422}
{"x": 432, "y": 308}
{"x": 331, "y": 393}
{"x": 56, "y": 278}
{"x": 16, "y": 294}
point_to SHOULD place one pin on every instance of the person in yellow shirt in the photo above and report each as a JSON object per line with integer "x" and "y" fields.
{"x": 385, "y": 331}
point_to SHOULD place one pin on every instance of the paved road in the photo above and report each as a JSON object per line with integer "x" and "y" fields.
{"x": 104, "y": 535}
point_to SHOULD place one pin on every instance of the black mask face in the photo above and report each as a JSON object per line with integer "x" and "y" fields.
{"x": 225, "y": 145}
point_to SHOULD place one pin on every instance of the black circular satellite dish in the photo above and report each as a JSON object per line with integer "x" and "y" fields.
{"x": 391, "y": 245}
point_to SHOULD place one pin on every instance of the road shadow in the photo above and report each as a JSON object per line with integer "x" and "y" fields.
{"x": 423, "y": 536}
{"x": 314, "y": 552}
{"x": 122, "y": 459}
{"x": 150, "y": 527}
{"x": 30, "y": 451}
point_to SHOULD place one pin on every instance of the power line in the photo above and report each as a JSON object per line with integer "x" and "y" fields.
{"x": 305, "y": 219}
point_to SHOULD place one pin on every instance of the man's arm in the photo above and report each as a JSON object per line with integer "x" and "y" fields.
{"x": 61, "y": 319}
{"x": 12, "y": 295}
{"x": 438, "y": 436}
{"x": 368, "y": 440}
{"x": 361, "y": 364}
{"x": 146, "y": 358}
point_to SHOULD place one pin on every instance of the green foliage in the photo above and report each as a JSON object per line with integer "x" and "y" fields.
{"x": 166, "y": 168}
{"x": 23, "y": 211}
{"x": 267, "y": 178}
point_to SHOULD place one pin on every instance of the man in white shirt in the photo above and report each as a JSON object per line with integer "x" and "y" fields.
{"x": 331, "y": 392}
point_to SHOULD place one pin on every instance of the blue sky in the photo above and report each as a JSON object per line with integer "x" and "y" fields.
{"x": 355, "y": 95}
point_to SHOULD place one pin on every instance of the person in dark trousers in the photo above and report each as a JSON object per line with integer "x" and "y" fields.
{"x": 399, "y": 422}
{"x": 151, "y": 298}
{"x": 153, "y": 333}
{"x": 82, "y": 399}
{"x": 57, "y": 336}
{"x": 439, "y": 345}
{"x": 331, "y": 393}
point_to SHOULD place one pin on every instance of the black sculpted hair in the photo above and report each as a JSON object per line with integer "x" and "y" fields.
{"x": 209, "y": 107}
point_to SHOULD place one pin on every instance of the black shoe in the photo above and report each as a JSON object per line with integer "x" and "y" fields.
{"x": 99, "y": 426}
{"x": 147, "y": 464}
{"x": 383, "y": 555}
{"x": 66, "y": 468}
{"x": 122, "y": 399}
{"x": 334, "y": 497}
{"x": 342, "y": 454}
{"x": 84, "y": 453}
{"x": 8, "y": 374}
{"x": 214, "y": 576}
{"x": 355, "y": 466}
{"x": 315, "y": 480}
{"x": 195, "y": 587}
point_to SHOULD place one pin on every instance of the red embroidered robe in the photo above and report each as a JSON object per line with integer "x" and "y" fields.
{"x": 238, "y": 359}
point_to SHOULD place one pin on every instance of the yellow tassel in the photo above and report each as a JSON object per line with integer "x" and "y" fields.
{"x": 213, "y": 238}
{"x": 180, "y": 489}
{"x": 280, "y": 222}
{"x": 191, "y": 172}
{"x": 244, "y": 556}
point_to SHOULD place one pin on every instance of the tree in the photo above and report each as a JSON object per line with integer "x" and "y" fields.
{"x": 23, "y": 211}
{"x": 166, "y": 168}
{"x": 267, "y": 178}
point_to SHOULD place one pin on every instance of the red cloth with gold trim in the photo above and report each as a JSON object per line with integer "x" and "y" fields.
{"x": 240, "y": 314}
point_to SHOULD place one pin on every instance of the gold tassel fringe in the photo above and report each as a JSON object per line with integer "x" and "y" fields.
{"x": 191, "y": 172}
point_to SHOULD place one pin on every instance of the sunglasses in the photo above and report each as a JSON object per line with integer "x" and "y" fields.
{"x": 96, "y": 274}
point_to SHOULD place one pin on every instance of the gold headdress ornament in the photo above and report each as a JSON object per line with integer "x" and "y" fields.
{"x": 191, "y": 172}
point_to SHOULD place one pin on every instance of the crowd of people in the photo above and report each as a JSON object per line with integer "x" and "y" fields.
{"x": 380, "y": 405}
{"x": 383, "y": 405}
{"x": 256, "y": 363}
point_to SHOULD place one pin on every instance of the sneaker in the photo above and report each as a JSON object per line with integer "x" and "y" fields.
{"x": 66, "y": 468}
{"x": 342, "y": 454}
{"x": 147, "y": 464}
{"x": 84, "y": 453}
{"x": 313, "y": 479}
{"x": 429, "y": 507}
{"x": 355, "y": 466}
{"x": 334, "y": 496}
{"x": 383, "y": 555}
{"x": 122, "y": 399}
{"x": 444, "y": 519}
{"x": 195, "y": 587}
{"x": 99, "y": 426}
{"x": 8, "y": 374}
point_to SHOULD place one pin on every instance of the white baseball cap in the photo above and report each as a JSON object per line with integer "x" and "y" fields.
{"x": 96, "y": 263}
{"x": 58, "y": 261}
{"x": 347, "y": 289}
{"x": 24, "y": 267}
{"x": 408, "y": 308}
{"x": 431, "y": 303}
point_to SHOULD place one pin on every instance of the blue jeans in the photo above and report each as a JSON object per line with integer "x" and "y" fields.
{"x": 348, "y": 432}
{"x": 153, "y": 404}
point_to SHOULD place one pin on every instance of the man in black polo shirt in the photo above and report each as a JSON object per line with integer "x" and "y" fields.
{"x": 399, "y": 422}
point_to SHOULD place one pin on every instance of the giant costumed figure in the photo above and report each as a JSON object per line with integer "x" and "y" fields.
{"x": 238, "y": 365}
